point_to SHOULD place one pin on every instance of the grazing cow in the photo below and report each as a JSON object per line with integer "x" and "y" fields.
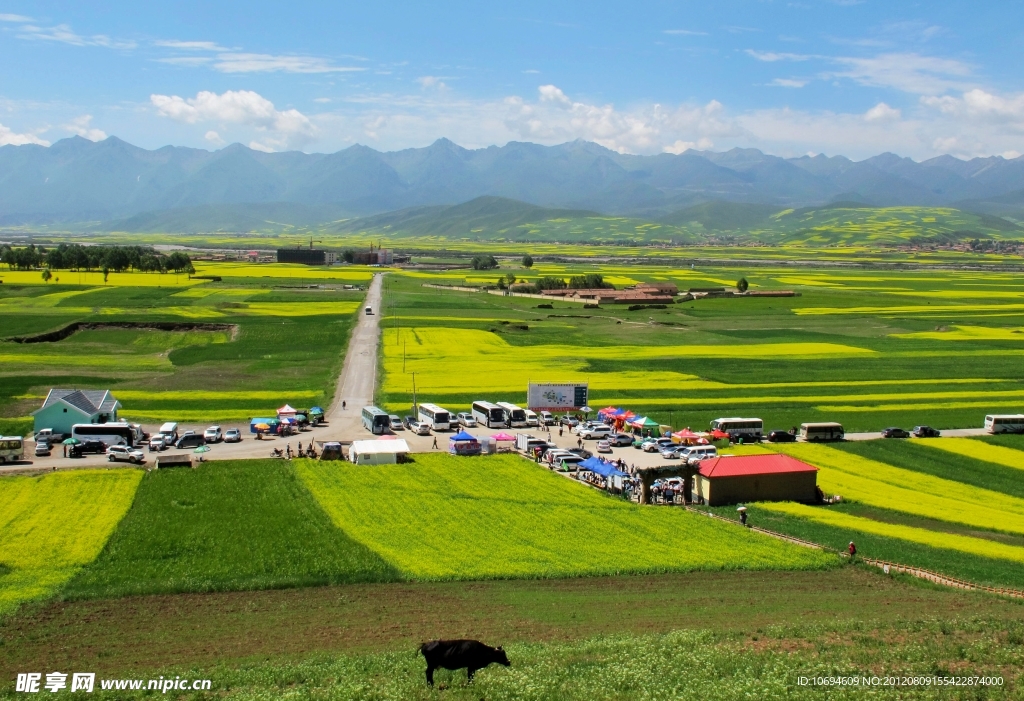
{"x": 456, "y": 654}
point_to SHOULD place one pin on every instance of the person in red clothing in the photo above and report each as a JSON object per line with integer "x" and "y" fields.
{"x": 852, "y": 548}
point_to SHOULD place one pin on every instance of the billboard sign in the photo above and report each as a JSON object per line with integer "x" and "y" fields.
{"x": 566, "y": 396}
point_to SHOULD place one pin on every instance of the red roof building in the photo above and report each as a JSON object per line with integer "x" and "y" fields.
{"x": 732, "y": 479}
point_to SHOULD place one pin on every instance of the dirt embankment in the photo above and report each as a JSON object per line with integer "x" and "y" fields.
{"x": 63, "y": 332}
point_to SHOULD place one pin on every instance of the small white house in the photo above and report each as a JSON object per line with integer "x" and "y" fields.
{"x": 378, "y": 452}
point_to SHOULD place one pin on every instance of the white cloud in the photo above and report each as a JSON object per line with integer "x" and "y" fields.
{"x": 431, "y": 81}
{"x": 685, "y": 32}
{"x": 773, "y": 56}
{"x": 213, "y": 137}
{"x": 979, "y": 104}
{"x": 909, "y": 72}
{"x": 881, "y": 113}
{"x": 10, "y": 138}
{"x": 680, "y": 146}
{"x": 267, "y": 63}
{"x": 531, "y": 71}
{"x": 281, "y": 129}
{"x": 190, "y": 45}
{"x": 789, "y": 82}
{"x": 321, "y": 99}
{"x": 257, "y": 146}
{"x": 5, "y": 17}
{"x": 187, "y": 61}
{"x": 81, "y": 126}
{"x": 63, "y": 34}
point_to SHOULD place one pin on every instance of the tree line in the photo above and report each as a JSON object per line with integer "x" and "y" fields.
{"x": 73, "y": 256}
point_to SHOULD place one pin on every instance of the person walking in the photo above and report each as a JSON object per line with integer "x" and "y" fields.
{"x": 852, "y": 549}
{"x": 342, "y": 403}
{"x": 560, "y": 429}
{"x": 288, "y": 451}
{"x": 65, "y": 451}
{"x": 435, "y": 443}
{"x": 579, "y": 443}
{"x": 743, "y": 517}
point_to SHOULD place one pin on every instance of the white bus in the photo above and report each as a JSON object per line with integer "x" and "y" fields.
{"x": 514, "y": 416}
{"x": 747, "y": 428}
{"x": 12, "y": 449}
{"x": 376, "y": 420}
{"x": 489, "y": 415}
{"x": 1004, "y": 423}
{"x": 439, "y": 418}
{"x": 109, "y": 434}
{"x": 822, "y": 432}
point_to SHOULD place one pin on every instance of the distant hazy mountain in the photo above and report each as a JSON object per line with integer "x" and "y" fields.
{"x": 81, "y": 183}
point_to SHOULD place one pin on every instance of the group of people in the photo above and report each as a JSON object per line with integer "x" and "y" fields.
{"x": 309, "y": 452}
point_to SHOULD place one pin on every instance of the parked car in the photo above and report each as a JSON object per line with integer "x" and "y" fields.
{"x": 156, "y": 443}
{"x": 396, "y": 423}
{"x": 532, "y": 420}
{"x": 410, "y": 421}
{"x": 781, "y": 437}
{"x": 232, "y": 435}
{"x": 168, "y": 438}
{"x": 42, "y": 449}
{"x": 621, "y": 439}
{"x": 670, "y": 452}
{"x": 420, "y": 428}
{"x": 190, "y": 440}
{"x": 123, "y": 453}
{"x": 582, "y": 452}
{"x": 894, "y": 432}
{"x": 604, "y": 447}
{"x": 693, "y": 454}
{"x": 555, "y": 454}
{"x": 547, "y": 418}
{"x": 653, "y": 445}
{"x": 466, "y": 419}
{"x": 569, "y": 421}
{"x": 592, "y": 432}
{"x": 213, "y": 435}
{"x": 925, "y": 432}
{"x": 90, "y": 446}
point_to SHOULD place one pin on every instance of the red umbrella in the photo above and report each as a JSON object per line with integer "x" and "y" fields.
{"x": 686, "y": 433}
{"x": 719, "y": 435}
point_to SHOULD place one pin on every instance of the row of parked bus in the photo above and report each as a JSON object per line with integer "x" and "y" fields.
{"x": 437, "y": 418}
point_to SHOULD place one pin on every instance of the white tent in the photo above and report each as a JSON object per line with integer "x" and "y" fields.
{"x": 377, "y": 452}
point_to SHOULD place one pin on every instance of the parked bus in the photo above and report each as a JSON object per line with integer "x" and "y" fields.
{"x": 109, "y": 434}
{"x": 822, "y": 432}
{"x": 12, "y": 449}
{"x": 376, "y": 420}
{"x": 489, "y": 415}
{"x": 736, "y": 428}
{"x": 439, "y": 418}
{"x": 1005, "y": 423}
{"x": 514, "y": 416}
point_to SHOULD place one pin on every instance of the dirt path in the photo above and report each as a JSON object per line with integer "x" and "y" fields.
{"x": 359, "y": 375}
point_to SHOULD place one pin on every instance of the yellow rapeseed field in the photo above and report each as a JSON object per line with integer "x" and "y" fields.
{"x": 50, "y": 526}
{"x": 878, "y": 484}
{"x": 70, "y": 277}
{"x": 969, "y": 333}
{"x": 971, "y": 448}
{"x": 935, "y": 539}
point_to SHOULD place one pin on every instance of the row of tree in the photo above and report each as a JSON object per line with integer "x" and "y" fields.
{"x": 76, "y": 257}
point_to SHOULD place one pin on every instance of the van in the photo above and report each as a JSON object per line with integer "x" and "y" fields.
{"x": 811, "y": 432}
{"x": 696, "y": 453}
{"x": 531, "y": 418}
{"x": 170, "y": 429}
{"x": 369, "y": 311}
{"x": 190, "y": 440}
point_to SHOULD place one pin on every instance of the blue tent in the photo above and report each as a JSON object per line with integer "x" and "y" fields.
{"x": 464, "y": 444}
{"x": 605, "y": 469}
{"x": 462, "y": 436}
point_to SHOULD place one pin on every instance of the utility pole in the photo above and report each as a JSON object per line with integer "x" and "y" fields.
{"x": 415, "y": 406}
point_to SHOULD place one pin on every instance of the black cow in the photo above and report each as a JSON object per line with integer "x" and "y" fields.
{"x": 456, "y": 654}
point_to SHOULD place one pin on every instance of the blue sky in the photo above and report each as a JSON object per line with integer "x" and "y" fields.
{"x": 808, "y": 76}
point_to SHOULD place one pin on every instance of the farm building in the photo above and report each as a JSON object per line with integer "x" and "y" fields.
{"x": 64, "y": 408}
{"x": 734, "y": 478}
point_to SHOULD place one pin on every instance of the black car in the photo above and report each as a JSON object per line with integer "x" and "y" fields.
{"x": 894, "y": 432}
{"x": 925, "y": 432}
{"x": 781, "y": 437}
{"x": 190, "y": 440}
{"x": 85, "y": 447}
{"x": 409, "y": 420}
{"x": 582, "y": 452}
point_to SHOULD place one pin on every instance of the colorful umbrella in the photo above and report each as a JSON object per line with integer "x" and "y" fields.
{"x": 202, "y": 449}
{"x": 262, "y": 427}
{"x": 71, "y": 441}
{"x": 503, "y": 437}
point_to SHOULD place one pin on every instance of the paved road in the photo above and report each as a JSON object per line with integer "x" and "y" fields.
{"x": 355, "y": 388}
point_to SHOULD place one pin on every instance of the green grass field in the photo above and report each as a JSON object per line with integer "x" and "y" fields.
{"x": 227, "y": 525}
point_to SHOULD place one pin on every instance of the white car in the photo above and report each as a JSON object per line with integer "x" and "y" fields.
{"x": 232, "y": 435}
{"x": 213, "y": 435}
{"x": 420, "y": 429}
{"x": 466, "y": 419}
{"x": 591, "y": 432}
{"x": 156, "y": 442}
{"x": 169, "y": 439}
{"x": 656, "y": 445}
{"x": 123, "y": 453}
{"x": 547, "y": 418}
{"x": 531, "y": 419}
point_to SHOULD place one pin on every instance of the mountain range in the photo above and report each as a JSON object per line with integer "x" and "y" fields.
{"x": 112, "y": 185}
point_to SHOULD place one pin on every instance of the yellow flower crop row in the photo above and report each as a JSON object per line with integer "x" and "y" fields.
{"x": 969, "y": 333}
{"x": 50, "y": 526}
{"x": 445, "y": 517}
{"x": 934, "y": 539}
{"x": 878, "y": 484}
{"x": 971, "y": 448}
